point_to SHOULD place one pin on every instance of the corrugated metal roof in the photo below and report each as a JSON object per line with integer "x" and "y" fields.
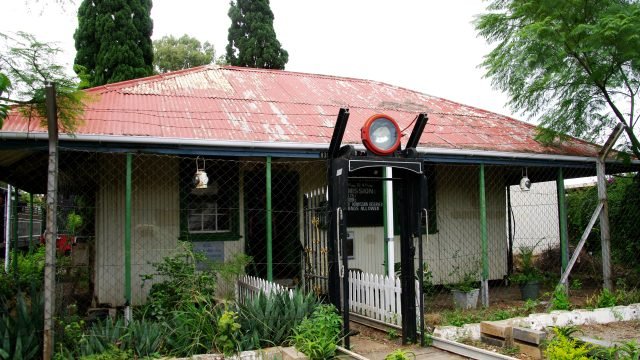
{"x": 231, "y": 103}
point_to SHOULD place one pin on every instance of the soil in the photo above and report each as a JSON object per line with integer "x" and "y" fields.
{"x": 621, "y": 331}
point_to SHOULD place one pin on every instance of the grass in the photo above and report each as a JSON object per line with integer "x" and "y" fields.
{"x": 460, "y": 317}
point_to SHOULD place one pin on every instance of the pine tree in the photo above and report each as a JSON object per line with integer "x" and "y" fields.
{"x": 113, "y": 41}
{"x": 252, "y": 39}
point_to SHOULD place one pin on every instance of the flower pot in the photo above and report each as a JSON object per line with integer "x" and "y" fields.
{"x": 465, "y": 300}
{"x": 530, "y": 290}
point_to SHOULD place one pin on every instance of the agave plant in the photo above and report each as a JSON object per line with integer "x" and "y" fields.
{"x": 269, "y": 320}
{"x": 20, "y": 332}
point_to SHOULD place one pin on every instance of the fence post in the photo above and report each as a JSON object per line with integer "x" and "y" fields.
{"x": 483, "y": 237}
{"x": 52, "y": 225}
{"x": 15, "y": 232}
{"x": 562, "y": 221}
{"x": 605, "y": 237}
{"x": 127, "y": 238}
{"x": 30, "y": 223}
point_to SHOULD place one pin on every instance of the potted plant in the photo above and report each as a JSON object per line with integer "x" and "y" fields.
{"x": 466, "y": 290}
{"x": 528, "y": 276}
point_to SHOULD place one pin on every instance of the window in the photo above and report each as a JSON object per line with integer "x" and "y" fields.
{"x": 211, "y": 213}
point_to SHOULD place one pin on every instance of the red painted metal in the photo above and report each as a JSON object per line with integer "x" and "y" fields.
{"x": 231, "y": 103}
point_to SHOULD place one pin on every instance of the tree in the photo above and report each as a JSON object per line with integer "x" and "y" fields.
{"x": 576, "y": 63}
{"x": 252, "y": 39}
{"x": 26, "y": 65}
{"x": 171, "y": 54}
{"x": 113, "y": 41}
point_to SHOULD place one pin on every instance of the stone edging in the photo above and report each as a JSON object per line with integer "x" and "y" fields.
{"x": 554, "y": 318}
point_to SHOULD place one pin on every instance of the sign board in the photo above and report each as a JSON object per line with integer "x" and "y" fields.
{"x": 213, "y": 250}
{"x": 365, "y": 203}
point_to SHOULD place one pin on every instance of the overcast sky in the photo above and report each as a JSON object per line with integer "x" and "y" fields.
{"x": 428, "y": 46}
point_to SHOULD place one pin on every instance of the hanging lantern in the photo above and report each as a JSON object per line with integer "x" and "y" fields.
{"x": 525, "y": 183}
{"x": 200, "y": 179}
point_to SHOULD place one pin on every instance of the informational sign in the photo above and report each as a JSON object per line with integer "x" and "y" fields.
{"x": 213, "y": 250}
{"x": 365, "y": 203}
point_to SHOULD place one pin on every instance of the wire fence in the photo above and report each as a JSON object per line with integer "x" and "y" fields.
{"x": 275, "y": 211}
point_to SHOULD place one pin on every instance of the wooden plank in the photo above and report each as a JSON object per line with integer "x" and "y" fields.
{"x": 529, "y": 335}
{"x": 501, "y": 329}
{"x": 532, "y": 351}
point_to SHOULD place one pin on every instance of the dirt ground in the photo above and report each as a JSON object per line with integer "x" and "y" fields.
{"x": 621, "y": 331}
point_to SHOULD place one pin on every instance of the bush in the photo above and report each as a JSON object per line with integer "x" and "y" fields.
{"x": 269, "y": 320}
{"x": 30, "y": 275}
{"x": 21, "y": 328}
{"x": 318, "y": 336}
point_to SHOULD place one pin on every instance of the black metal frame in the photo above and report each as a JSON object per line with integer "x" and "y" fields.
{"x": 412, "y": 192}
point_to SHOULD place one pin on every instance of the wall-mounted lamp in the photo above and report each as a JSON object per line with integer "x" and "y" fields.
{"x": 200, "y": 179}
{"x": 525, "y": 183}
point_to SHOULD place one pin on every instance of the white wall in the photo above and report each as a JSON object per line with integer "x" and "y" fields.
{"x": 535, "y": 217}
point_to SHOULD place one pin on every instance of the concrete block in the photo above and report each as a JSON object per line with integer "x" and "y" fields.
{"x": 529, "y": 335}
{"x": 532, "y": 351}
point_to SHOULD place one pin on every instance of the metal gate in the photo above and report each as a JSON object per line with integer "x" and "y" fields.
{"x": 316, "y": 268}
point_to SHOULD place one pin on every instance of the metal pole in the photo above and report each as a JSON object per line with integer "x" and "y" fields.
{"x": 483, "y": 237}
{"x": 269, "y": 224}
{"x": 387, "y": 188}
{"x": 7, "y": 229}
{"x": 15, "y": 232}
{"x": 510, "y": 232}
{"x": 52, "y": 226}
{"x": 127, "y": 238}
{"x": 562, "y": 221}
{"x": 30, "y": 223}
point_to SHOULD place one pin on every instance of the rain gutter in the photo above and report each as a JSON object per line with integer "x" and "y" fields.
{"x": 314, "y": 149}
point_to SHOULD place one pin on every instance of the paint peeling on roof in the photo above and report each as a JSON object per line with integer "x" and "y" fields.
{"x": 229, "y": 103}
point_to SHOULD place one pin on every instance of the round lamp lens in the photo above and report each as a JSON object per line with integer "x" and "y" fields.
{"x": 381, "y": 135}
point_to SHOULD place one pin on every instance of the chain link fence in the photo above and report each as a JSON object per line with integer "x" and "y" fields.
{"x": 275, "y": 211}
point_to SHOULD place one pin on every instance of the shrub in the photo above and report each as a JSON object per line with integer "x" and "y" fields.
{"x": 21, "y": 328}
{"x": 192, "y": 328}
{"x": 560, "y": 298}
{"x": 564, "y": 347}
{"x": 269, "y": 320}
{"x": 318, "y": 336}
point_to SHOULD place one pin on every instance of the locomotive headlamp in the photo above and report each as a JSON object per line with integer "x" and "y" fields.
{"x": 381, "y": 135}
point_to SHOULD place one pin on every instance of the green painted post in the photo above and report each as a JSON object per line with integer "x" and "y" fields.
{"x": 483, "y": 237}
{"x": 269, "y": 224}
{"x": 30, "y": 223}
{"x": 127, "y": 231}
{"x": 562, "y": 221}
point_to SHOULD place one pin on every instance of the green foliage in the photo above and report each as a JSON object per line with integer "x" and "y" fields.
{"x": 113, "y": 353}
{"x": 29, "y": 277}
{"x": 26, "y": 65}
{"x": 144, "y": 338}
{"x": 252, "y": 39}
{"x": 427, "y": 277}
{"x": 318, "y": 336}
{"x": 563, "y": 347}
{"x": 460, "y": 317}
{"x": 227, "y": 339}
{"x": 182, "y": 282}
{"x": 467, "y": 279}
{"x": 623, "y": 195}
{"x": 574, "y": 63}
{"x": 101, "y": 337}
{"x": 392, "y": 334}
{"x": 269, "y": 320}
{"x": 113, "y": 41}
{"x": 606, "y": 299}
{"x": 21, "y": 327}
{"x": 528, "y": 272}
{"x": 193, "y": 328}
{"x": 171, "y": 53}
{"x": 400, "y": 354}
{"x": 560, "y": 298}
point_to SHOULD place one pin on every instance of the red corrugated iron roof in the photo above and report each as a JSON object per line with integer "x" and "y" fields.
{"x": 231, "y": 103}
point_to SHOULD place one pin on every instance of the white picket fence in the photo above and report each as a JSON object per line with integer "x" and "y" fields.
{"x": 377, "y": 297}
{"x": 248, "y": 287}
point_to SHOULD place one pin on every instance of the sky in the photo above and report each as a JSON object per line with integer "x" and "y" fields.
{"x": 424, "y": 45}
